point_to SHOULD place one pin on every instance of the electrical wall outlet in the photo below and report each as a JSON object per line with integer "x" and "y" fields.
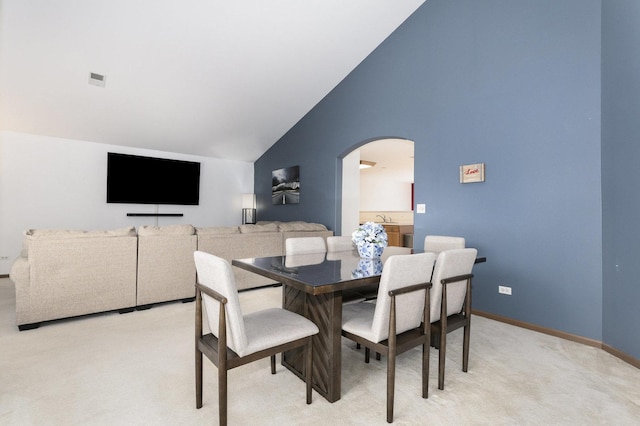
{"x": 4, "y": 257}
{"x": 504, "y": 290}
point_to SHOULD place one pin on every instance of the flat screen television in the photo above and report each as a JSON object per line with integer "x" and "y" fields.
{"x": 134, "y": 179}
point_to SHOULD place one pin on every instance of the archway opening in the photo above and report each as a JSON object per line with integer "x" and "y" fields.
{"x": 382, "y": 192}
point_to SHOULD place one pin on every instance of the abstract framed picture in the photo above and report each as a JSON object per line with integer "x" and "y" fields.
{"x": 472, "y": 173}
{"x": 285, "y": 185}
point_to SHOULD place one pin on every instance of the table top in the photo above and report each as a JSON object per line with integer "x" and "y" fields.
{"x": 320, "y": 273}
{"x": 317, "y": 273}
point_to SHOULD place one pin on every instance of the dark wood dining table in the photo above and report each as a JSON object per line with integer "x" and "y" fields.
{"x": 313, "y": 286}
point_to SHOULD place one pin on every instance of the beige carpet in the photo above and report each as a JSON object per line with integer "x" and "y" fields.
{"x": 137, "y": 369}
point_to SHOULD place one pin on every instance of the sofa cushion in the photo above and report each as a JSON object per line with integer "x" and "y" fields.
{"x": 251, "y": 229}
{"x": 149, "y": 230}
{"x": 62, "y": 234}
{"x": 217, "y": 230}
{"x": 73, "y": 233}
{"x": 129, "y": 231}
{"x": 301, "y": 226}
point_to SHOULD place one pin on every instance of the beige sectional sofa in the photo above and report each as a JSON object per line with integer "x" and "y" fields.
{"x": 64, "y": 273}
{"x": 67, "y": 273}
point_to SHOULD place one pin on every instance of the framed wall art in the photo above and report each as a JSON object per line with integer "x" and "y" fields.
{"x": 472, "y": 173}
{"x": 285, "y": 185}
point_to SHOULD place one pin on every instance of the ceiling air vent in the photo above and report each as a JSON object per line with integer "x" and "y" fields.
{"x": 97, "y": 79}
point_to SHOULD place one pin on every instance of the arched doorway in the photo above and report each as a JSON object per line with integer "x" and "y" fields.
{"x": 383, "y": 190}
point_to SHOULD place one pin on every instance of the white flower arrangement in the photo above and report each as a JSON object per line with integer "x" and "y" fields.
{"x": 370, "y": 233}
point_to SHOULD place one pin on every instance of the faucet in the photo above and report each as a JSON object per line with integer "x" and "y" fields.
{"x": 384, "y": 218}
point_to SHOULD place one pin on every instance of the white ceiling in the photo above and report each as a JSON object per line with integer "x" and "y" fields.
{"x": 390, "y": 155}
{"x": 213, "y": 78}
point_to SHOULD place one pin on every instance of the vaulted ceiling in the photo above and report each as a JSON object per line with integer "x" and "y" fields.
{"x": 213, "y": 78}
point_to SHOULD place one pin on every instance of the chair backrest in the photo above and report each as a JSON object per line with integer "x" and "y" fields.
{"x": 340, "y": 243}
{"x": 394, "y": 250}
{"x": 304, "y": 245}
{"x": 216, "y": 273}
{"x": 401, "y": 271}
{"x": 438, "y": 243}
{"x": 305, "y": 259}
{"x": 451, "y": 263}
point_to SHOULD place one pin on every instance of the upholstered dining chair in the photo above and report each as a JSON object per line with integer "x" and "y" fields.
{"x": 438, "y": 243}
{"x": 451, "y": 302}
{"x": 305, "y": 245}
{"x": 340, "y": 243}
{"x": 395, "y": 323}
{"x": 238, "y": 339}
{"x": 304, "y": 259}
{"x": 394, "y": 250}
{"x": 371, "y": 292}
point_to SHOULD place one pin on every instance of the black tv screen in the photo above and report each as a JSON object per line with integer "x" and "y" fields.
{"x": 146, "y": 180}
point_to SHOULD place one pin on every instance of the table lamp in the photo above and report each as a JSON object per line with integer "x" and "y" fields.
{"x": 248, "y": 208}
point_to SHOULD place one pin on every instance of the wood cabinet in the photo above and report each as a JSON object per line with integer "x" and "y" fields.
{"x": 395, "y": 233}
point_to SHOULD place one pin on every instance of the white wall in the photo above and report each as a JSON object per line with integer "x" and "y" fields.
{"x": 385, "y": 190}
{"x": 350, "y": 192}
{"x": 48, "y": 182}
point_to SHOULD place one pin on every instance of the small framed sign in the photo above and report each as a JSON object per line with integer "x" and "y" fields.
{"x": 472, "y": 173}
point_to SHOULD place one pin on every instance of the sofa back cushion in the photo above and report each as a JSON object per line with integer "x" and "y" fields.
{"x": 301, "y": 226}
{"x": 217, "y": 230}
{"x": 253, "y": 229}
{"x": 148, "y": 230}
{"x": 65, "y": 234}
{"x": 74, "y": 233}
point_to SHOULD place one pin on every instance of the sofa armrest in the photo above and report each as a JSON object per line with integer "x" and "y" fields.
{"x": 20, "y": 276}
{"x": 19, "y": 272}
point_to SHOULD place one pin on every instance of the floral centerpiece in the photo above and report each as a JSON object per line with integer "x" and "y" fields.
{"x": 370, "y": 238}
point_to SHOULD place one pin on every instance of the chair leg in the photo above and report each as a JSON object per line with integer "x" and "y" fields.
{"x": 198, "y": 379}
{"x": 309, "y": 369}
{"x": 391, "y": 378}
{"x": 273, "y": 364}
{"x": 377, "y": 356}
{"x": 367, "y": 353}
{"x": 441, "y": 358}
{"x": 425, "y": 370}
{"x": 467, "y": 327}
{"x": 222, "y": 395}
{"x": 465, "y": 346}
{"x": 198, "y": 352}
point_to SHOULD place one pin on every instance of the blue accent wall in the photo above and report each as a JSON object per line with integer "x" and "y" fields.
{"x": 620, "y": 183}
{"x": 515, "y": 84}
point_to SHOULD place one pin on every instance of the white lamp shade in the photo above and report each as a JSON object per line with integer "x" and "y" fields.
{"x": 248, "y": 201}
